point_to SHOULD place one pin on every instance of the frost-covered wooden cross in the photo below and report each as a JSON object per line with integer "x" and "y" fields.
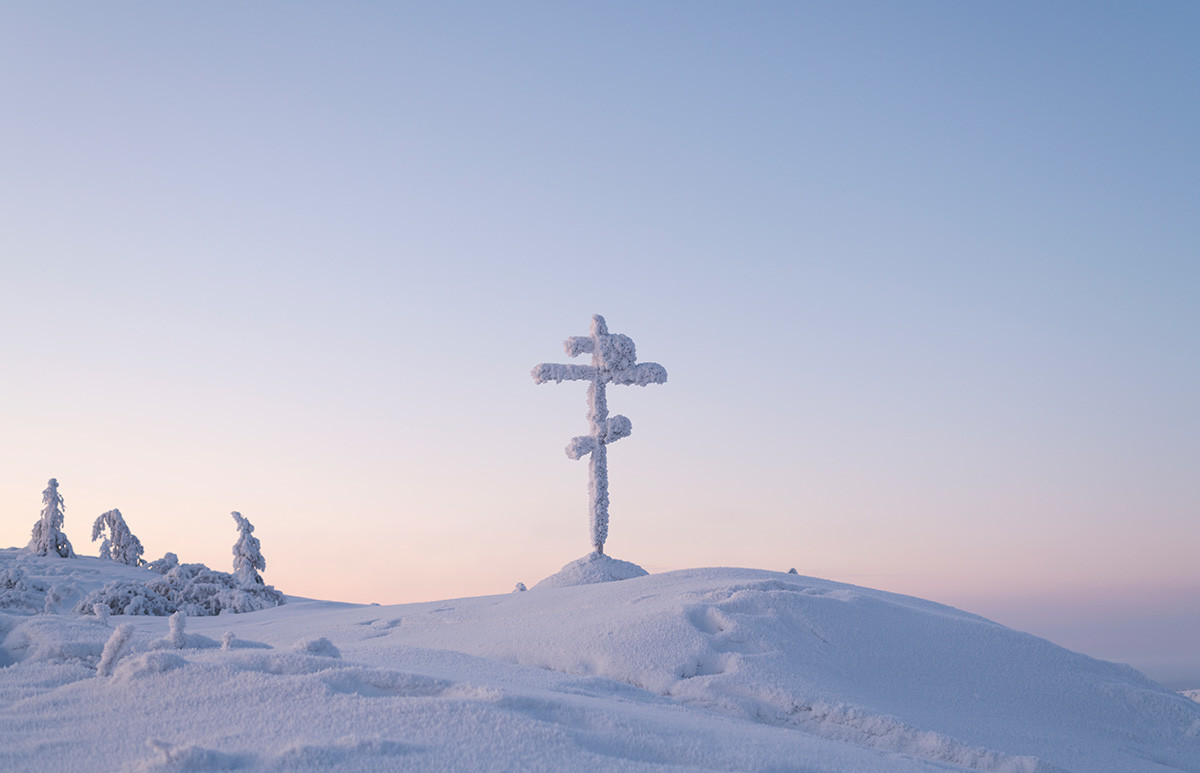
{"x": 614, "y": 359}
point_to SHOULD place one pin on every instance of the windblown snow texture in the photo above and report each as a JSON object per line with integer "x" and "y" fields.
{"x": 614, "y": 360}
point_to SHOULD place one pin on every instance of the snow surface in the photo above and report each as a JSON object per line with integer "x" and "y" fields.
{"x": 703, "y": 669}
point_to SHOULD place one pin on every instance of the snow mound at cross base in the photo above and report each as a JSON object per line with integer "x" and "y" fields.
{"x": 592, "y": 568}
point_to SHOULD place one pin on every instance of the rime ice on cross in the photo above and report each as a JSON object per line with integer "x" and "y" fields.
{"x": 613, "y": 359}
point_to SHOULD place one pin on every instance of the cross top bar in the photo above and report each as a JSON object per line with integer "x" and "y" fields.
{"x": 614, "y": 360}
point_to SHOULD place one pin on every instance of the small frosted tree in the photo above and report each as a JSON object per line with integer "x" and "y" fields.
{"x": 120, "y": 544}
{"x": 48, "y": 538}
{"x": 248, "y": 560}
{"x": 614, "y": 361}
{"x": 114, "y": 648}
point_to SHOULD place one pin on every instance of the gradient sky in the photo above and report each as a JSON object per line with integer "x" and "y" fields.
{"x": 925, "y": 278}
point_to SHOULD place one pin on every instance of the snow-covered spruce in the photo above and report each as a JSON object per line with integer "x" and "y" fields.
{"x": 48, "y": 538}
{"x": 614, "y": 360}
{"x": 247, "y": 553}
{"x": 120, "y": 544}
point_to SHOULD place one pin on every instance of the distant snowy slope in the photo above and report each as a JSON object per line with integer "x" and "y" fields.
{"x": 707, "y": 669}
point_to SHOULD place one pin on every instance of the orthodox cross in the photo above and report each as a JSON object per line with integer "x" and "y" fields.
{"x": 614, "y": 360}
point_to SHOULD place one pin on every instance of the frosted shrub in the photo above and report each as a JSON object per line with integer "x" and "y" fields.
{"x": 48, "y": 538}
{"x": 55, "y": 596}
{"x": 614, "y": 360}
{"x": 176, "y": 623}
{"x": 197, "y": 590}
{"x": 120, "y": 545}
{"x": 164, "y": 564}
{"x": 247, "y": 553}
{"x": 114, "y": 648}
{"x": 20, "y": 594}
{"x": 124, "y": 597}
{"x": 318, "y": 646}
{"x": 193, "y": 589}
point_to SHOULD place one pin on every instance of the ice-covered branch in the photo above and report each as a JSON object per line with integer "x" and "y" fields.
{"x": 550, "y": 371}
{"x": 577, "y": 345}
{"x": 641, "y": 374}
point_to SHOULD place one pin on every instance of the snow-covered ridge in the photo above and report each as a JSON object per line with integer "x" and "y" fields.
{"x": 705, "y": 669}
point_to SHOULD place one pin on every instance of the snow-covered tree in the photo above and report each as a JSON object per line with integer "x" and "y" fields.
{"x": 614, "y": 360}
{"x": 120, "y": 545}
{"x": 247, "y": 553}
{"x": 48, "y": 538}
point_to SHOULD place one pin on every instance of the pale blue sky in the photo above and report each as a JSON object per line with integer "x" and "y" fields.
{"x": 925, "y": 278}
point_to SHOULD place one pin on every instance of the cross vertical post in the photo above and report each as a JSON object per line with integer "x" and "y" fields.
{"x": 614, "y": 360}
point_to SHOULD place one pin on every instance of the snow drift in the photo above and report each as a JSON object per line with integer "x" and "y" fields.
{"x": 707, "y": 669}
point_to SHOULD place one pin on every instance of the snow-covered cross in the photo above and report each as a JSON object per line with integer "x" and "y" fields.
{"x": 614, "y": 359}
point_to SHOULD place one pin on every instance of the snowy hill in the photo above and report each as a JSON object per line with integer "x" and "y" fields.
{"x": 705, "y": 669}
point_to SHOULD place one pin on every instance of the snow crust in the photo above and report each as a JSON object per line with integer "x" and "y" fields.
{"x": 704, "y": 669}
